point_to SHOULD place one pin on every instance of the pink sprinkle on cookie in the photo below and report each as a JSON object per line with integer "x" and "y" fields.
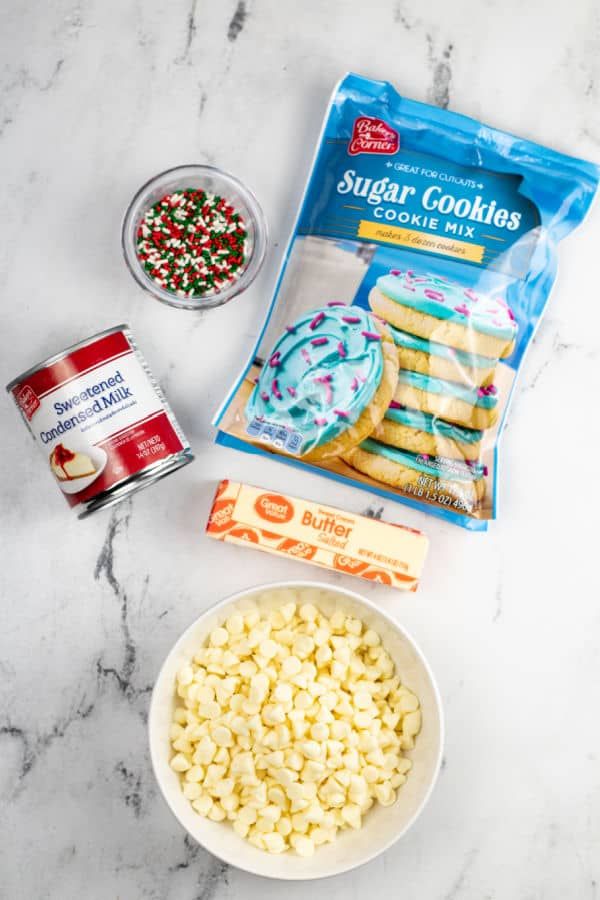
{"x": 324, "y": 380}
{"x": 291, "y": 329}
{"x": 292, "y": 391}
{"x": 351, "y": 320}
{"x": 336, "y": 303}
{"x": 471, "y": 295}
{"x": 320, "y": 421}
{"x": 275, "y": 389}
{"x": 306, "y": 356}
{"x": 275, "y": 360}
{"x": 341, "y": 350}
{"x": 354, "y": 384}
{"x": 396, "y": 272}
{"x": 264, "y": 396}
{"x": 462, "y": 309}
{"x": 317, "y": 321}
{"x": 318, "y": 342}
{"x": 341, "y": 413}
{"x": 434, "y": 295}
{"x": 371, "y": 335}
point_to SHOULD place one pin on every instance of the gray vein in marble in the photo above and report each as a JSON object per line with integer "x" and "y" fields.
{"x": 439, "y": 91}
{"x": 73, "y": 22}
{"x": 133, "y": 788}
{"x": 499, "y": 603}
{"x": 401, "y": 17}
{"x": 19, "y": 84}
{"x": 33, "y": 746}
{"x": 458, "y": 884}
{"x": 105, "y": 567}
{"x": 212, "y": 872}
{"x": 559, "y": 348}
{"x": 190, "y": 33}
{"x": 238, "y": 20}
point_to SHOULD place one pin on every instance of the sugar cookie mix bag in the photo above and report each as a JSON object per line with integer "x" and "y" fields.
{"x": 417, "y": 272}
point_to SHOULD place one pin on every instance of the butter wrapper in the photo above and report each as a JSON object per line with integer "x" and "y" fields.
{"x": 323, "y": 535}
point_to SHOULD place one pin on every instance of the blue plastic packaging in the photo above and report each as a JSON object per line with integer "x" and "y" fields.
{"x": 417, "y": 272}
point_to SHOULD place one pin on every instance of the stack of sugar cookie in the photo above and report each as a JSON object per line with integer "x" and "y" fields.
{"x": 449, "y": 341}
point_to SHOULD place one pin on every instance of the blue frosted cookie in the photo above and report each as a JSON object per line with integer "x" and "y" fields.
{"x": 448, "y": 482}
{"x": 440, "y": 361}
{"x": 419, "y": 432}
{"x": 441, "y": 310}
{"x": 326, "y": 385}
{"x": 467, "y": 406}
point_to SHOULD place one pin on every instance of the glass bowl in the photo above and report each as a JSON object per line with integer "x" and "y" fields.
{"x": 207, "y": 178}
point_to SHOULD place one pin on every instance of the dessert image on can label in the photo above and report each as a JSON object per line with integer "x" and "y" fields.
{"x": 68, "y": 465}
{"x": 101, "y": 420}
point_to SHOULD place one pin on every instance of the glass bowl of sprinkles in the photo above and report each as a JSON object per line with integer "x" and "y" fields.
{"x": 194, "y": 237}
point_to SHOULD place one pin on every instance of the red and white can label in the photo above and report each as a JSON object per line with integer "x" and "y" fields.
{"x": 98, "y": 416}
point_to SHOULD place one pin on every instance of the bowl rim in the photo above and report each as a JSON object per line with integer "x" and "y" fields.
{"x": 219, "y": 298}
{"x": 321, "y": 585}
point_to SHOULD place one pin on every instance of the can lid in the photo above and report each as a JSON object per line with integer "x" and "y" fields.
{"x": 58, "y": 356}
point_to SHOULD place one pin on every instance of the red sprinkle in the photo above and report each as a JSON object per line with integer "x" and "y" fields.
{"x": 371, "y": 336}
{"x": 316, "y": 321}
{"x": 351, "y": 320}
{"x": 318, "y": 342}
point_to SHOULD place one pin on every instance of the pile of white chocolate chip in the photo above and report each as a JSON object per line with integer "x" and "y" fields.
{"x": 292, "y": 725}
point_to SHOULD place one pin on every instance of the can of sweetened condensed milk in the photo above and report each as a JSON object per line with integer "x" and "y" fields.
{"x": 100, "y": 420}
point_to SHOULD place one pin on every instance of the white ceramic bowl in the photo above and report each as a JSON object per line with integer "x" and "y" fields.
{"x": 381, "y": 825}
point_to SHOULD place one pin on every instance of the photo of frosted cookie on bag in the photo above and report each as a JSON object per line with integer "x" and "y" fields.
{"x": 440, "y": 310}
{"x": 325, "y": 385}
{"x": 453, "y": 402}
{"x": 443, "y": 481}
{"x": 420, "y": 432}
{"x": 440, "y": 361}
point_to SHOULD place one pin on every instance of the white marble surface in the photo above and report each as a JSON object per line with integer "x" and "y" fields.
{"x": 94, "y": 98}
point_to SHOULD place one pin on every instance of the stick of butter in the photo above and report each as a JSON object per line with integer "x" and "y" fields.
{"x": 323, "y": 535}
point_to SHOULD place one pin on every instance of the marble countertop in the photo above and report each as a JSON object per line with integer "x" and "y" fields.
{"x": 95, "y": 97}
